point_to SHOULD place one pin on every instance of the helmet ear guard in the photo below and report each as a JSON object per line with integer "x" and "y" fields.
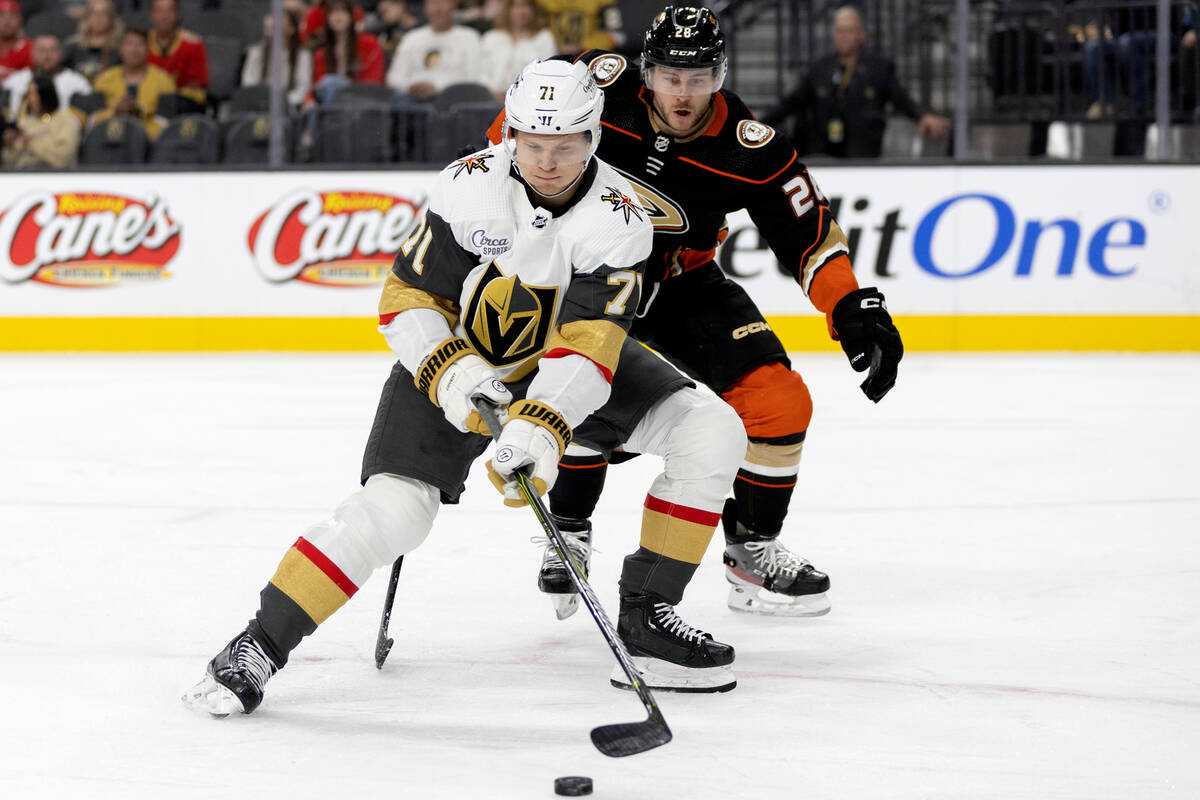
{"x": 553, "y": 98}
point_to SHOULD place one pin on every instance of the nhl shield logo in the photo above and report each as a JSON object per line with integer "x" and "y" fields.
{"x": 752, "y": 133}
{"x": 507, "y": 321}
{"x": 662, "y": 143}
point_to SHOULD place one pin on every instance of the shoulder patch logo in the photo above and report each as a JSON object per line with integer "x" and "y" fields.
{"x": 752, "y": 133}
{"x": 622, "y": 203}
{"x": 471, "y": 164}
{"x": 608, "y": 68}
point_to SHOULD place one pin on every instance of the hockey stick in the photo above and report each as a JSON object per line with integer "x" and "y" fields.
{"x": 620, "y": 739}
{"x": 383, "y": 642}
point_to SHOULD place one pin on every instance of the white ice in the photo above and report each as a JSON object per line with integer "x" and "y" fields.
{"x": 1014, "y": 544}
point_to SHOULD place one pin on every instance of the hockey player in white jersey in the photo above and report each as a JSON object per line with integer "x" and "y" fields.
{"x": 516, "y": 287}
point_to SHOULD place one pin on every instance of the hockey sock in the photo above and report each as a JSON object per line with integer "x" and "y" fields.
{"x": 763, "y": 491}
{"x": 579, "y": 485}
{"x": 674, "y": 538}
{"x": 306, "y": 589}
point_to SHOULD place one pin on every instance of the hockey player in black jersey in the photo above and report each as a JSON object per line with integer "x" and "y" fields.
{"x": 694, "y": 153}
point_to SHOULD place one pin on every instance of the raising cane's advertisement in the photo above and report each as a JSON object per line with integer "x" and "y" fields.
{"x": 333, "y": 238}
{"x": 86, "y": 239}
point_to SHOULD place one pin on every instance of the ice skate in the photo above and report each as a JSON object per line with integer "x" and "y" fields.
{"x": 553, "y": 578}
{"x": 234, "y": 679}
{"x": 671, "y": 655}
{"x": 767, "y": 578}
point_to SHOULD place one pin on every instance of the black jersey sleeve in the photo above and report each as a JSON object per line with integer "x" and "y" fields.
{"x": 793, "y": 215}
{"x": 430, "y": 258}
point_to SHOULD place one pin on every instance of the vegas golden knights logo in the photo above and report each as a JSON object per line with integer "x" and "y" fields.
{"x": 508, "y": 321}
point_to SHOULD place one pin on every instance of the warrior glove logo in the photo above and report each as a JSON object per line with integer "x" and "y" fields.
{"x": 507, "y": 321}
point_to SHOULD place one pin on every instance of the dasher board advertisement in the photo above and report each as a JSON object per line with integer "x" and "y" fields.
{"x": 983, "y": 258}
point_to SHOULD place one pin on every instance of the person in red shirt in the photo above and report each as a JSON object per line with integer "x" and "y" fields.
{"x": 343, "y": 55}
{"x": 314, "y": 20}
{"x": 181, "y": 53}
{"x": 16, "y": 51}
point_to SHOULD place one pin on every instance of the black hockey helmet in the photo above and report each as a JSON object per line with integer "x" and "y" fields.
{"x": 685, "y": 37}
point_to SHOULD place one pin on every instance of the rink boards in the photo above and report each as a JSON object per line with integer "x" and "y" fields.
{"x": 970, "y": 258}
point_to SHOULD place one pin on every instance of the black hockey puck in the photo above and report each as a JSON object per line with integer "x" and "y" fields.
{"x": 573, "y": 786}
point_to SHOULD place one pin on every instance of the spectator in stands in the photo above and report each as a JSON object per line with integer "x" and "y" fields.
{"x": 180, "y": 53}
{"x": 315, "y": 22}
{"x": 580, "y": 25}
{"x": 257, "y": 67}
{"x": 841, "y": 104}
{"x": 479, "y": 14}
{"x": 46, "y": 133}
{"x": 344, "y": 55}
{"x": 519, "y": 37}
{"x": 388, "y": 23}
{"x": 435, "y": 55}
{"x": 135, "y": 87}
{"x": 93, "y": 48}
{"x": 16, "y": 51}
{"x": 1132, "y": 33}
{"x": 47, "y": 61}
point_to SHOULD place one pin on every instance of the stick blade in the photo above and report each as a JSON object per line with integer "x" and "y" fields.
{"x": 630, "y": 738}
{"x": 382, "y": 649}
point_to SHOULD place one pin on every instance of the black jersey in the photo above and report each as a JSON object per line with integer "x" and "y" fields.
{"x": 688, "y": 186}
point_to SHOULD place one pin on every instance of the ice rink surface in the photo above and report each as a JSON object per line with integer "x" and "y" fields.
{"x": 1014, "y": 545}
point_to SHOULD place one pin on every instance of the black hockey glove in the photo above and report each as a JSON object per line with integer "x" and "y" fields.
{"x": 864, "y": 327}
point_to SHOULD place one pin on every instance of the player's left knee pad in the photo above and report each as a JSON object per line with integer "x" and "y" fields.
{"x": 773, "y": 403}
{"x": 390, "y": 516}
{"x": 702, "y": 442}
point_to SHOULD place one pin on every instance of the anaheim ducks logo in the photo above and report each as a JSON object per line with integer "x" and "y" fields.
{"x": 608, "y": 68}
{"x": 508, "y": 321}
{"x": 471, "y": 164}
{"x": 621, "y": 203}
{"x": 752, "y": 133}
{"x": 664, "y": 214}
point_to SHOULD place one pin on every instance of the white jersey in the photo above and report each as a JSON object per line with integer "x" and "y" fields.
{"x": 523, "y": 278}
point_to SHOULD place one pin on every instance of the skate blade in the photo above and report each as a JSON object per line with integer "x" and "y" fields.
{"x": 756, "y": 600}
{"x": 210, "y": 697}
{"x": 663, "y": 676}
{"x": 564, "y": 604}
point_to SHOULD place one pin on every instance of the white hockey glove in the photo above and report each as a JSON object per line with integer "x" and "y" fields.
{"x": 453, "y": 378}
{"x": 532, "y": 440}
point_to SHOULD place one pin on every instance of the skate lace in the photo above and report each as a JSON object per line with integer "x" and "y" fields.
{"x": 253, "y": 662}
{"x": 774, "y": 558}
{"x": 575, "y": 544}
{"x": 665, "y": 617}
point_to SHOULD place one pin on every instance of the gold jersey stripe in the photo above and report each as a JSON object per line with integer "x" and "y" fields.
{"x": 598, "y": 339}
{"x": 399, "y": 296}
{"x": 673, "y": 537}
{"x": 308, "y": 586}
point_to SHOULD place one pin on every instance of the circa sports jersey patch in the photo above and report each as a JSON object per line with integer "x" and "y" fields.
{"x": 608, "y": 68}
{"x": 471, "y": 164}
{"x": 622, "y": 203}
{"x": 507, "y": 321}
{"x": 753, "y": 133}
{"x": 489, "y": 245}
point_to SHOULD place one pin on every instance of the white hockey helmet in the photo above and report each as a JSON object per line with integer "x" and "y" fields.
{"x": 552, "y": 98}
